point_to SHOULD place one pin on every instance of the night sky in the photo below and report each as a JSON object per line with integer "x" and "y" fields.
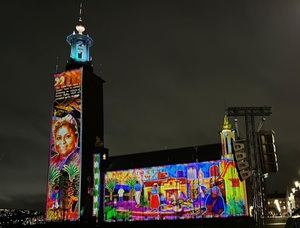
{"x": 171, "y": 68}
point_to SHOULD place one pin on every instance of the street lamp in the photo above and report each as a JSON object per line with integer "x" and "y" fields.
{"x": 277, "y": 205}
{"x": 292, "y": 199}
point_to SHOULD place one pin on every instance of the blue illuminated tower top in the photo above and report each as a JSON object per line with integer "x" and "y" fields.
{"x": 80, "y": 45}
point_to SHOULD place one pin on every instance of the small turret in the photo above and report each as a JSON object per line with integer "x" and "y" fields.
{"x": 226, "y": 124}
{"x": 227, "y": 138}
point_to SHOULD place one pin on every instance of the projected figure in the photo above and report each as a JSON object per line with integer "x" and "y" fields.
{"x": 121, "y": 194}
{"x": 214, "y": 203}
{"x": 64, "y": 168}
{"x": 162, "y": 199}
{"x": 69, "y": 204}
{"x": 65, "y": 135}
{"x": 201, "y": 195}
{"x": 154, "y": 200}
{"x": 137, "y": 196}
{"x": 172, "y": 198}
{"x": 55, "y": 197}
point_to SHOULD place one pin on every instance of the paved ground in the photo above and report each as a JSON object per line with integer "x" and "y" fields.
{"x": 278, "y": 222}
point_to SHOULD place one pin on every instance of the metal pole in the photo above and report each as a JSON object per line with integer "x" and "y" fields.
{"x": 253, "y": 184}
{"x": 257, "y": 175}
{"x": 236, "y": 128}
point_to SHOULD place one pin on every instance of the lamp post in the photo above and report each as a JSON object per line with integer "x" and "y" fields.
{"x": 292, "y": 199}
{"x": 289, "y": 205}
{"x": 296, "y": 193}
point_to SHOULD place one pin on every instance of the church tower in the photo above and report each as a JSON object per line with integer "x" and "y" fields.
{"x": 227, "y": 138}
{"x": 76, "y": 126}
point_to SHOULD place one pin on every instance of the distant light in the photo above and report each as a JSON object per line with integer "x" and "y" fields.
{"x": 293, "y": 190}
{"x": 297, "y": 184}
{"x": 277, "y": 205}
{"x": 251, "y": 210}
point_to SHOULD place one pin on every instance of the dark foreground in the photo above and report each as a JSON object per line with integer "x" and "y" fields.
{"x": 278, "y": 222}
{"x": 240, "y": 222}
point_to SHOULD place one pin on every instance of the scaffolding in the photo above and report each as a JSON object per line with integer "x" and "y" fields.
{"x": 256, "y": 181}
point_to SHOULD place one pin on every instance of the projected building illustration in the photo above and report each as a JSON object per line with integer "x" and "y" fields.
{"x": 206, "y": 189}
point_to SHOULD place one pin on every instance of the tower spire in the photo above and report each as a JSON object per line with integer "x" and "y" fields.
{"x": 226, "y": 123}
{"x": 80, "y": 27}
{"x": 80, "y": 45}
{"x": 227, "y": 138}
{"x": 80, "y": 13}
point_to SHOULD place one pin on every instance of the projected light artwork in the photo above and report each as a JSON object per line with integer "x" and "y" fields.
{"x": 181, "y": 191}
{"x": 65, "y": 152}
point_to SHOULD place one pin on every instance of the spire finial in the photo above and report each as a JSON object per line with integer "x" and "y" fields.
{"x": 80, "y": 13}
{"x": 80, "y": 28}
{"x": 226, "y": 124}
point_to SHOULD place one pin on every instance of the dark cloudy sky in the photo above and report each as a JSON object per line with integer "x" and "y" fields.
{"x": 171, "y": 68}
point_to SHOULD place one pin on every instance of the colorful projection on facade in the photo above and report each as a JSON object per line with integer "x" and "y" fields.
{"x": 96, "y": 192}
{"x": 64, "y": 165}
{"x": 182, "y": 191}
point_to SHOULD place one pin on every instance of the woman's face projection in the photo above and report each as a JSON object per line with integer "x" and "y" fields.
{"x": 65, "y": 140}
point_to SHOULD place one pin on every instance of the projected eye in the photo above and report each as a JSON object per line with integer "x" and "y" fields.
{"x": 58, "y": 138}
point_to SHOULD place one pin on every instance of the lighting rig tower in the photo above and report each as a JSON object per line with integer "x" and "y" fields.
{"x": 256, "y": 181}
